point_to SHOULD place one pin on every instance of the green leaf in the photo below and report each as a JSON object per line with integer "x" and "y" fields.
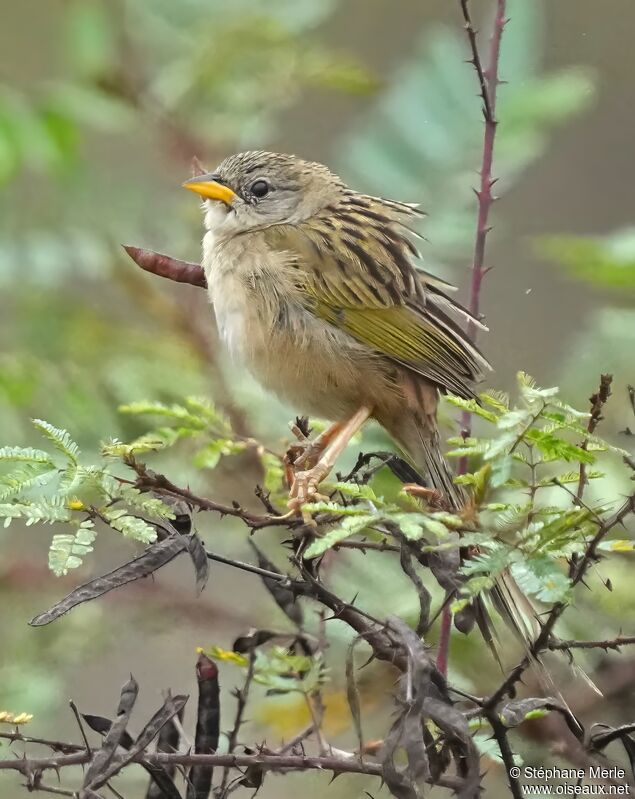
{"x": 175, "y": 412}
{"x": 150, "y": 442}
{"x": 60, "y": 439}
{"x": 472, "y": 406}
{"x": 617, "y": 545}
{"x": 542, "y": 577}
{"x": 413, "y": 525}
{"x": 479, "y": 481}
{"x": 497, "y": 400}
{"x": 44, "y": 511}
{"x": 554, "y": 448}
{"x": 130, "y": 526}
{"x": 274, "y": 472}
{"x": 324, "y": 506}
{"x": 348, "y": 527}
{"x": 602, "y": 261}
{"x": 210, "y": 455}
{"x": 357, "y": 491}
{"x": 91, "y": 38}
{"x": 67, "y": 550}
{"x": 28, "y": 475}
{"x": 145, "y": 503}
{"x": 566, "y": 478}
{"x": 26, "y": 454}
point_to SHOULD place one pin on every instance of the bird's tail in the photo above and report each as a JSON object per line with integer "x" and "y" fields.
{"x": 420, "y": 440}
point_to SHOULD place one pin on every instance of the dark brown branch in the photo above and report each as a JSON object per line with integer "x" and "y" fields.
{"x": 242, "y": 695}
{"x": 500, "y": 734}
{"x": 264, "y": 761}
{"x": 147, "y": 480}
{"x": 602, "y": 739}
{"x": 610, "y": 643}
{"x": 598, "y": 400}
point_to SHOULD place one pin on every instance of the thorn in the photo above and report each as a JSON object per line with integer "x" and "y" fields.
{"x": 197, "y": 168}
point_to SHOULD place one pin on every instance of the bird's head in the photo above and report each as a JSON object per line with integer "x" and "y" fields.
{"x": 254, "y": 190}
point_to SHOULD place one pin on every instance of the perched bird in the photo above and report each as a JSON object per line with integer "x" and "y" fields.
{"x": 316, "y": 291}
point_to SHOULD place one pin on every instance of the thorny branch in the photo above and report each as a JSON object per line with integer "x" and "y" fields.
{"x": 263, "y": 760}
{"x": 544, "y": 637}
{"x": 488, "y": 80}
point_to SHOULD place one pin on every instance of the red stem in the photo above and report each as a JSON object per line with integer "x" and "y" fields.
{"x": 484, "y": 194}
{"x": 488, "y": 82}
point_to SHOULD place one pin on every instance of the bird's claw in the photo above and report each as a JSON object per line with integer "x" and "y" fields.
{"x": 305, "y": 487}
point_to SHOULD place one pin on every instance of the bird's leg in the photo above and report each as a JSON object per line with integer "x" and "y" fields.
{"x": 313, "y": 449}
{"x": 306, "y": 452}
{"x": 305, "y": 483}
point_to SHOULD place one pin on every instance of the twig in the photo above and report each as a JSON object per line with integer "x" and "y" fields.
{"x": 290, "y": 745}
{"x": 248, "y": 567}
{"x": 38, "y": 785}
{"x": 597, "y": 400}
{"x": 488, "y": 80}
{"x": 56, "y": 746}
{"x": 78, "y": 719}
{"x": 603, "y": 739}
{"x": 443, "y": 647}
{"x": 266, "y": 762}
{"x": 610, "y": 643}
{"x": 241, "y": 694}
{"x": 476, "y": 60}
{"x": 542, "y": 641}
{"x": 147, "y": 480}
{"x": 500, "y": 734}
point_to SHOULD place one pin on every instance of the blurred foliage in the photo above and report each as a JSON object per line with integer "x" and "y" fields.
{"x": 603, "y": 261}
{"x": 424, "y": 136}
{"x": 91, "y": 156}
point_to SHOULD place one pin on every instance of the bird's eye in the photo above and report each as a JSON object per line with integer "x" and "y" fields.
{"x": 260, "y": 188}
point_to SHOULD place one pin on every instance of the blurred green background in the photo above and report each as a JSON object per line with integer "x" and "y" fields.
{"x": 102, "y": 107}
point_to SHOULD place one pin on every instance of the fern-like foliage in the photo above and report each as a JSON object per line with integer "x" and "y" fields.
{"x": 522, "y": 515}
{"x": 43, "y": 487}
{"x": 525, "y": 489}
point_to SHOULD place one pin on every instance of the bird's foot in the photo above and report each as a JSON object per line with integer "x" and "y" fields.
{"x": 305, "y": 486}
{"x": 309, "y": 453}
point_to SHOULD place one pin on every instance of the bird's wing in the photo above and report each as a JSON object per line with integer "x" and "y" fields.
{"x": 355, "y": 263}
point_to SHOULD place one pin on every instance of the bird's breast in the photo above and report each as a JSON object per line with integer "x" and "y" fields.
{"x": 265, "y": 325}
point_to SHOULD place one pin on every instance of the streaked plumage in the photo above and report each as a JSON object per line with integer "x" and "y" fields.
{"x": 316, "y": 290}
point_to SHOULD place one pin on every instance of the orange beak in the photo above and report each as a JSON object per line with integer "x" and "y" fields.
{"x": 208, "y": 186}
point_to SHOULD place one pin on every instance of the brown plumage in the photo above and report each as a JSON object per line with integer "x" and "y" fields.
{"x": 317, "y": 292}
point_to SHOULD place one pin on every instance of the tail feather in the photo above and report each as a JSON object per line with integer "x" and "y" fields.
{"x": 421, "y": 442}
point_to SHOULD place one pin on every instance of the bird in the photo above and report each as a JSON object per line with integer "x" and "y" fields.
{"x": 319, "y": 292}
